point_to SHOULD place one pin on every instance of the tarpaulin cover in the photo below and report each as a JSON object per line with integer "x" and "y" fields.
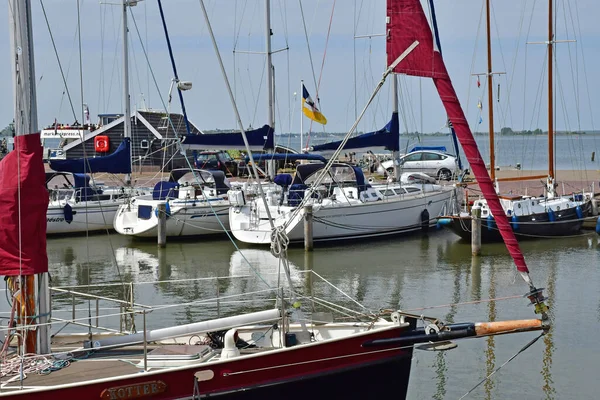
{"x": 23, "y": 211}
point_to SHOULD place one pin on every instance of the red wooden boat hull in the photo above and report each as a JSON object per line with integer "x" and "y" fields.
{"x": 343, "y": 368}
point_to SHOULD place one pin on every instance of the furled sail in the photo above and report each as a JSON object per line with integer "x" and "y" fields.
{"x": 258, "y": 139}
{"x": 23, "y": 206}
{"x": 406, "y": 23}
{"x": 118, "y": 162}
{"x": 387, "y": 138}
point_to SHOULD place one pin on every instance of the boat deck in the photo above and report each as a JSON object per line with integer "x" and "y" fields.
{"x": 102, "y": 365}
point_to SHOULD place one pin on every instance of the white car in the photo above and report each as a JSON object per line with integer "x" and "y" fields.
{"x": 433, "y": 163}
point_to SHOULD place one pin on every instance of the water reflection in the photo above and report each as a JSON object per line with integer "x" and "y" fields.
{"x": 546, "y": 372}
{"x": 490, "y": 354}
{"x": 441, "y": 368}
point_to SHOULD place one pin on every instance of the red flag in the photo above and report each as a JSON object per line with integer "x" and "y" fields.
{"x": 23, "y": 211}
{"x": 478, "y": 82}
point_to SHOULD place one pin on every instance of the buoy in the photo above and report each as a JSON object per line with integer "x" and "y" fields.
{"x": 425, "y": 220}
{"x": 514, "y": 223}
{"x": 579, "y": 212}
{"x": 551, "y": 215}
{"x": 491, "y": 224}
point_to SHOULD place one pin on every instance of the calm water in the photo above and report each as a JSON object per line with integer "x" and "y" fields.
{"x": 406, "y": 273}
{"x": 572, "y": 152}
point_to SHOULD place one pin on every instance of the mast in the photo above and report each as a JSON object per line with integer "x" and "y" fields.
{"x": 395, "y": 155}
{"x": 127, "y": 109}
{"x": 550, "y": 99}
{"x": 490, "y": 94}
{"x": 301, "y": 116}
{"x": 271, "y": 169}
{"x": 23, "y": 70}
{"x": 270, "y": 115}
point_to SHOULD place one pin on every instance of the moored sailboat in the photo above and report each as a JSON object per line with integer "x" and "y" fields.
{"x": 548, "y": 216}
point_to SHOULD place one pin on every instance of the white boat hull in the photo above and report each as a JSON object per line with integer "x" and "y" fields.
{"x": 342, "y": 220}
{"x": 86, "y": 217}
{"x": 185, "y": 218}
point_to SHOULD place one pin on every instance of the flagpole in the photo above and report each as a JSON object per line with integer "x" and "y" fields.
{"x": 301, "y": 112}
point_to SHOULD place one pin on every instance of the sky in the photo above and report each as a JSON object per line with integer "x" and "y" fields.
{"x": 348, "y": 69}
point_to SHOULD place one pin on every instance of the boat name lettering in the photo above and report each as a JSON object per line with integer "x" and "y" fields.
{"x": 135, "y": 391}
{"x": 60, "y": 219}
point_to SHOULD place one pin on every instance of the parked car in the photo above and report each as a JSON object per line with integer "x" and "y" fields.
{"x": 433, "y": 163}
{"x": 219, "y": 160}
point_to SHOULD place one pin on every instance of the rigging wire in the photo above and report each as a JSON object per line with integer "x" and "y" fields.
{"x": 528, "y": 345}
{"x": 62, "y": 73}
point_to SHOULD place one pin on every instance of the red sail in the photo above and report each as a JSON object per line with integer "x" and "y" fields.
{"x": 23, "y": 212}
{"x": 407, "y": 23}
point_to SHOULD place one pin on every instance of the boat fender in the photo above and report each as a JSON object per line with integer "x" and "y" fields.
{"x": 579, "y": 212}
{"x": 598, "y": 226}
{"x": 515, "y": 223}
{"x": 425, "y": 220}
{"x": 230, "y": 350}
{"x": 444, "y": 221}
{"x": 167, "y": 210}
{"x": 551, "y": 215}
{"x": 68, "y": 213}
{"x": 491, "y": 224}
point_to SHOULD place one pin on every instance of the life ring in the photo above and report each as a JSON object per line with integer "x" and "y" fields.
{"x": 102, "y": 144}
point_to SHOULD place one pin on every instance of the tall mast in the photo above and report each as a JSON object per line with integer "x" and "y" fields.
{"x": 23, "y": 70}
{"x": 23, "y": 67}
{"x": 271, "y": 114}
{"x": 550, "y": 95}
{"x": 395, "y": 155}
{"x": 490, "y": 94}
{"x": 127, "y": 109}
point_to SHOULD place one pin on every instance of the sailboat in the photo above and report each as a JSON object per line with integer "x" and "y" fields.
{"x": 343, "y": 204}
{"x": 76, "y": 203}
{"x": 252, "y": 355}
{"x": 550, "y": 215}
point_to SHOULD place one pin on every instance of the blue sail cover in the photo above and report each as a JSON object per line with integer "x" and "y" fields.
{"x": 286, "y": 157}
{"x": 435, "y": 148}
{"x": 118, "y": 162}
{"x": 258, "y": 139}
{"x": 387, "y": 138}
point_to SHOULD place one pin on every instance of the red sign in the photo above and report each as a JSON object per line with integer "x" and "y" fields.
{"x": 135, "y": 391}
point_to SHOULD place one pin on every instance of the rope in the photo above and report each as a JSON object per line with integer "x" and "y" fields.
{"x": 506, "y": 362}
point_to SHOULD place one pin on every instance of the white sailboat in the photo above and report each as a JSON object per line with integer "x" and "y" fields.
{"x": 76, "y": 205}
{"x": 195, "y": 202}
{"x": 344, "y": 205}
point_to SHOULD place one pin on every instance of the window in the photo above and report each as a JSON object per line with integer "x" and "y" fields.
{"x": 431, "y": 157}
{"x": 412, "y": 157}
{"x": 144, "y": 144}
{"x": 412, "y": 189}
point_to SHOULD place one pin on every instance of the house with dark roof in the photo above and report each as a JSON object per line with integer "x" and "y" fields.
{"x": 154, "y": 139}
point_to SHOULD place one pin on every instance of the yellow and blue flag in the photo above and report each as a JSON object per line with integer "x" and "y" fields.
{"x": 309, "y": 108}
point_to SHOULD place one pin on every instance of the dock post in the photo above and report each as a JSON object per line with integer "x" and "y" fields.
{"x": 308, "y": 228}
{"x": 476, "y": 231}
{"x": 162, "y": 224}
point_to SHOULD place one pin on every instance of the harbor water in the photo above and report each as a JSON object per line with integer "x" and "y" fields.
{"x": 572, "y": 152}
{"x": 432, "y": 275}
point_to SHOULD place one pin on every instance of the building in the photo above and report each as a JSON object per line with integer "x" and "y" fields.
{"x": 154, "y": 139}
